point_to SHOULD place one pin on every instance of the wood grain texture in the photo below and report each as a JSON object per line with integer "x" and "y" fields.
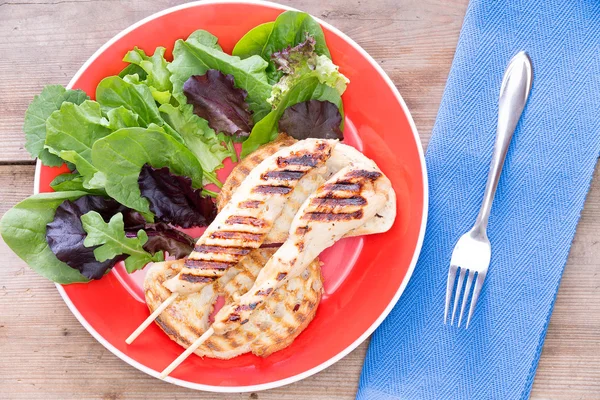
{"x": 47, "y": 354}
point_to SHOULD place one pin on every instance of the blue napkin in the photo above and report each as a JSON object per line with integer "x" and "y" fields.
{"x": 541, "y": 193}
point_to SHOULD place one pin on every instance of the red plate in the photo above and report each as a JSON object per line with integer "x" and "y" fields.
{"x": 364, "y": 277}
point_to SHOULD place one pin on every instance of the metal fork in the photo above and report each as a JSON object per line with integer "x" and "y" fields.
{"x": 473, "y": 250}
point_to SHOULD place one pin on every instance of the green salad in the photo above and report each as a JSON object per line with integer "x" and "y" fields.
{"x": 141, "y": 153}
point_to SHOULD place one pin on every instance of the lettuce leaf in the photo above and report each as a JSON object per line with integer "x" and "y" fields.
{"x": 109, "y": 241}
{"x": 157, "y": 76}
{"x": 71, "y": 132}
{"x": 173, "y": 200}
{"x": 216, "y": 99}
{"x": 289, "y": 29}
{"x": 200, "y": 52}
{"x": 121, "y": 155}
{"x": 162, "y": 237}
{"x": 23, "y": 229}
{"x": 43, "y": 105}
{"x": 199, "y": 138}
{"x": 300, "y": 62}
{"x": 305, "y": 89}
{"x": 312, "y": 119}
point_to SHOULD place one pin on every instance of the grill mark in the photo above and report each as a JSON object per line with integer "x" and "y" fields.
{"x": 250, "y": 237}
{"x": 305, "y": 160}
{"x": 296, "y": 307}
{"x": 264, "y": 292}
{"x": 250, "y": 204}
{"x": 269, "y": 189}
{"x": 281, "y": 275}
{"x": 202, "y": 264}
{"x": 234, "y": 317}
{"x": 339, "y": 201}
{"x": 238, "y": 219}
{"x": 302, "y": 230}
{"x": 342, "y": 186}
{"x": 300, "y": 246}
{"x": 327, "y": 217}
{"x": 284, "y": 175}
{"x": 246, "y": 307}
{"x": 236, "y": 251}
{"x": 243, "y": 169}
{"x": 361, "y": 173}
{"x": 196, "y": 279}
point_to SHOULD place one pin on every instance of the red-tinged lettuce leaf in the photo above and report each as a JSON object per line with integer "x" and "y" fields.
{"x": 65, "y": 234}
{"x": 173, "y": 200}
{"x": 163, "y": 237}
{"x": 312, "y": 119}
{"x": 216, "y": 99}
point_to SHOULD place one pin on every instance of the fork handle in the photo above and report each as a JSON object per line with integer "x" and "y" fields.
{"x": 516, "y": 85}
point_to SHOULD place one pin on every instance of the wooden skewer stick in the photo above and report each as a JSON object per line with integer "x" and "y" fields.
{"x": 205, "y": 336}
{"x": 151, "y": 318}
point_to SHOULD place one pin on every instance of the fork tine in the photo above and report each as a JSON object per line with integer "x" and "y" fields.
{"x": 461, "y": 278}
{"x": 476, "y": 290}
{"x": 470, "y": 275}
{"x": 449, "y": 287}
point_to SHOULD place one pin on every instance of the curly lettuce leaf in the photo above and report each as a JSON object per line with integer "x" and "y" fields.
{"x": 300, "y": 62}
{"x": 305, "y": 89}
{"x": 43, "y": 105}
{"x": 121, "y": 155}
{"x": 216, "y": 99}
{"x": 173, "y": 200}
{"x": 65, "y": 234}
{"x": 121, "y": 117}
{"x": 23, "y": 229}
{"x": 162, "y": 237}
{"x": 289, "y": 29}
{"x": 157, "y": 76}
{"x": 109, "y": 240}
{"x": 200, "y": 52}
{"x": 199, "y": 138}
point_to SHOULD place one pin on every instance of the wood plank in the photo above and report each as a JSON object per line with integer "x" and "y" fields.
{"x": 47, "y": 354}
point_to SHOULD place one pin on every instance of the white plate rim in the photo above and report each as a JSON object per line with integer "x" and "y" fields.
{"x": 382, "y": 316}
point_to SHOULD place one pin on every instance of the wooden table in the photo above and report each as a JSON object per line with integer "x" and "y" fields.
{"x": 46, "y": 354}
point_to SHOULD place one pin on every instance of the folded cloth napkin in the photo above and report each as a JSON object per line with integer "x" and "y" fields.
{"x": 541, "y": 193}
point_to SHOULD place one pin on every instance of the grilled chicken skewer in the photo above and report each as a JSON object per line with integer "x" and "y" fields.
{"x": 351, "y": 197}
{"x": 244, "y": 223}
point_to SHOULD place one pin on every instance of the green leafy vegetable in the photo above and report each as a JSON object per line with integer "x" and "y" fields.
{"x": 112, "y": 241}
{"x": 200, "y": 52}
{"x": 114, "y": 92}
{"x": 199, "y": 138}
{"x": 42, "y": 106}
{"x": 72, "y": 182}
{"x": 71, "y": 132}
{"x": 121, "y": 117}
{"x": 300, "y": 62}
{"x": 289, "y": 29}
{"x": 133, "y": 69}
{"x": 121, "y": 155}
{"x": 157, "y": 74}
{"x": 305, "y": 89}
{"x": 23, "y": 229}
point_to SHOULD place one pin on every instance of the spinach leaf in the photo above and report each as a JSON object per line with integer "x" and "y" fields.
{"x": 121, "y": 117}
{"x": 71, "y": 132}
{"x": 157, "y": 74}
{"x": 200, "y": 52}
{"x": 289, "y": 29}
{"x": 121, "y": 155}
{"x": 72, "y": 182}
{"x": 114, "y": 92}
{"x": 133, "y": 69}
{"x": 112, "y": 241}
{"x": 42, "y": 106}
{"x": 199, "y": 138}
{"x": 253, "y": 42}
{"x": 23, "y": 229}
{"x": 305, "y": 89}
